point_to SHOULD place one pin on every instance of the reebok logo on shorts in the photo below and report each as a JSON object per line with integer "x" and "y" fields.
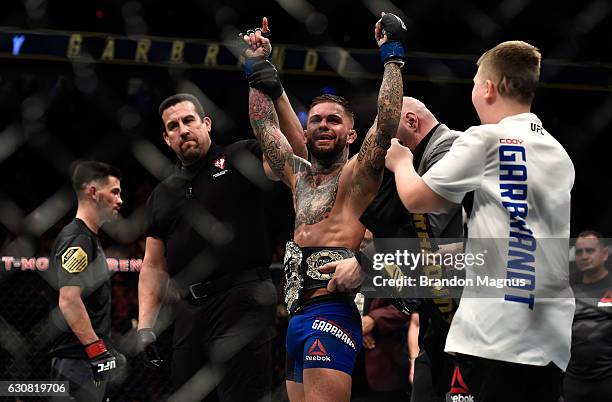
{"x": 323, "y": 325}
{"x": 317, "y": 349}
{"x": 317, "y": 352}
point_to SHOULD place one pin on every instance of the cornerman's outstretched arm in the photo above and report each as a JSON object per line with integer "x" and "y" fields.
{"x": 414, "y": 193}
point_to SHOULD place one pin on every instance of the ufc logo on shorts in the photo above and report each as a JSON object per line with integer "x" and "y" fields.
{"x": 462, "y": 398}
{"x": 106, "y": 366}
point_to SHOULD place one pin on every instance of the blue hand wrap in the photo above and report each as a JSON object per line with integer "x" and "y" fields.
{"x": 248, "y": 66}
{"x": 392, "y": 51}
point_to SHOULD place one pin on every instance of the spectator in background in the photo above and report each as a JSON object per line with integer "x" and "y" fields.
{"x": 589, "y": 373}
{"x": 386, "y": 358}
{"x": 125, "y": 305}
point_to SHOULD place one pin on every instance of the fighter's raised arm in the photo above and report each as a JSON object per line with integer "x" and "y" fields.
{"x": 274, "y": 145}
{"x": 388, "y": 32}
{"x": 263, "y": 76}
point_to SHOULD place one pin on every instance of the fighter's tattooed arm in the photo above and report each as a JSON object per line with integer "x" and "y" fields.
{"x": 371, "y": 158}
{"x": 274, "y": 145}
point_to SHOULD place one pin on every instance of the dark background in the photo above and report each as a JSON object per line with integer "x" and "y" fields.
{"x": 54, "y": 113}
{"x": 55, "y": 121}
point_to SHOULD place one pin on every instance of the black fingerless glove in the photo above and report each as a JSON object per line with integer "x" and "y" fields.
{"x": 262, "y": 75}
{"x": 102, "y": 362}
{"x": 393, "y": 49}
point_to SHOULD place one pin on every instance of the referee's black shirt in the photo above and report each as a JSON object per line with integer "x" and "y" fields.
{"x": 211, "y": 216}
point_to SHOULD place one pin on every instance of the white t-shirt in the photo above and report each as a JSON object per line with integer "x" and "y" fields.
{"x": 521, "y": 178}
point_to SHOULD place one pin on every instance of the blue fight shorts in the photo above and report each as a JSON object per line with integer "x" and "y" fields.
{"x": 326, "y": 334}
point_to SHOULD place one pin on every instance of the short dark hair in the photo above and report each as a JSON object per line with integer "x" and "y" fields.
{"x": 87, "y": 171}
{"x": 594, "y": 233}
{"x": 515, "y": 68}
{"x": 334, "y": 99}
{"x": 178, "y": 98}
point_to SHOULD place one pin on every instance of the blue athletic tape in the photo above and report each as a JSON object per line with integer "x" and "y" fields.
{"x": 391, "y": 50}
{"x": 248, "y": 66}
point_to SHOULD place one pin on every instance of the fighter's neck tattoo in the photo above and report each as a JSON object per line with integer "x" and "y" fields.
{"x": 330, "y": 165}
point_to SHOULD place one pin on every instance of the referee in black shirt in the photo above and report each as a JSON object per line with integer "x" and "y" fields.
{"x": 207, "y": 232}
{"x": 80, "y": 354}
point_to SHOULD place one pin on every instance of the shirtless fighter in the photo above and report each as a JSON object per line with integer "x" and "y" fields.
{"x": 330, "y": 193}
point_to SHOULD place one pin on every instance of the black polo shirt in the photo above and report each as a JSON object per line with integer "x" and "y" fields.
{"x": 386, "y": 215}
{"x": 77, "y": 259}
{"x": 212, "y": 215}
{"x": 592, "y": 331}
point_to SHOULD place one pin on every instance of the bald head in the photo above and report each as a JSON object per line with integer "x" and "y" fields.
{"x": 416, "y": 121}
{"x": 414, "y": 105}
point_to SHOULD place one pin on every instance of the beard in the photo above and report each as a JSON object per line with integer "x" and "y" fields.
{"x": 326, "y": 153}
{"x": 107, "y": 213}
{"x": 191, "y": 154}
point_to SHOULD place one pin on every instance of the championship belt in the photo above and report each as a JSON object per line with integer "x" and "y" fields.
{"x": 302, "y": 270}
{"x": 294, "y": 283}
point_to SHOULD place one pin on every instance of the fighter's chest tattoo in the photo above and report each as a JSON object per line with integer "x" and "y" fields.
{"x": 315, "y": 196}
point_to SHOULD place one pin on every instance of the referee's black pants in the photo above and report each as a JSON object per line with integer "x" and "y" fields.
{"x": 225, "y": 342}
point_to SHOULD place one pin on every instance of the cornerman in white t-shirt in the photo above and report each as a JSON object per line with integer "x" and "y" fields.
{"x": 513, "y": 344}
